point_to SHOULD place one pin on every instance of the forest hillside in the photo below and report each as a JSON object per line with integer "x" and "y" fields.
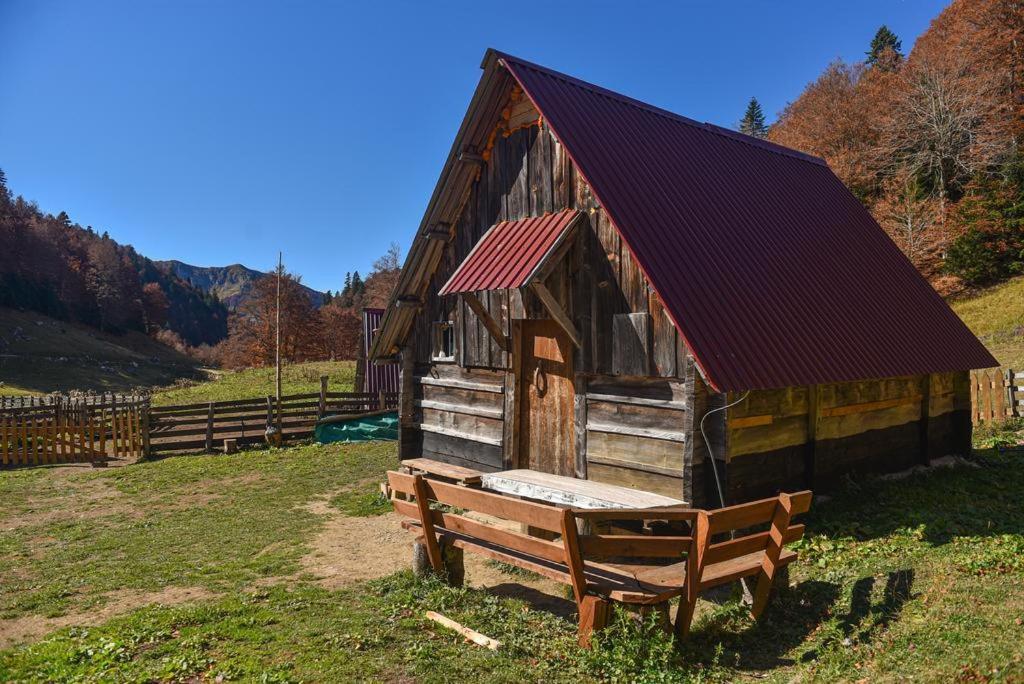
{"x": 929, "y": 139}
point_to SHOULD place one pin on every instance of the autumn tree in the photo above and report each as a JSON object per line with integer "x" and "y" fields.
{"x": 155, "y": 306}
{"x": 752, "y": 122}
{"x": 990, "y": 223}
{"x": 832, "y": 120}
{"x": 383, "y": 278}
{"x": 253, "y": 331}
{"x": 910, "y": 216}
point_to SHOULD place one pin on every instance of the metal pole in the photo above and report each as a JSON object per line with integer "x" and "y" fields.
{"x": 280, "y": 269}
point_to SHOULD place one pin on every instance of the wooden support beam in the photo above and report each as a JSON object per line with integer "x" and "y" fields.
{"x": 557, "y": 312}
{"x": 408, "y": 302}
{"x": 468, "y": 156}
{"x": 810, "y": 447}
{"x": 493, "y": 327}
{"x": 440, "y": 231}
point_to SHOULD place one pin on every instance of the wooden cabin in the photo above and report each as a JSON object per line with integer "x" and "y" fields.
{"x": 604, "y": 289}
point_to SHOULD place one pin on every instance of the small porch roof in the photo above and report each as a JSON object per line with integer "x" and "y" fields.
{"x": 511, "y": 253}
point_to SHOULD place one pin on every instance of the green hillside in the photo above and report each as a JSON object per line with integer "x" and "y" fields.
{"x": 40, "y": 354}
{"x": 996, "y": 316}
{"x": 251, "y": 383}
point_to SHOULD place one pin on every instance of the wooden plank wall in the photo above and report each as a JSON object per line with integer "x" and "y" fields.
{"x": 460, "y": 413}
{"x": 816, "y": 436}
{"x": 636, "y": 433}
{"x": 528, "y": 174}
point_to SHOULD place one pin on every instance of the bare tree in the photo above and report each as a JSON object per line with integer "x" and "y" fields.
{"x": 910, "y": 216}
{"x": 942, "y": 128}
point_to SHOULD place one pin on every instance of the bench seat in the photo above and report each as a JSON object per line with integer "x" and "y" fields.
{"x": 714, "y": 574}
{"x": 607, "y": 580}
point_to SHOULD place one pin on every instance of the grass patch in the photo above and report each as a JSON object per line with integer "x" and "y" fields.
{"x": 996, "y": 316}
{"x": 43, "y": 355}
{"x": 251, "y": 383}
{"x": 915, "y": 578}
{"x": 218, "y": 522}
{"x": 361, "y": 504}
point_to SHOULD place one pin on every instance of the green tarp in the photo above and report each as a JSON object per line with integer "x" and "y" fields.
{"x": 358, "y": 429}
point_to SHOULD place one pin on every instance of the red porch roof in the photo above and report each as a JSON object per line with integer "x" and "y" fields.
{"x": 509, "y": 253}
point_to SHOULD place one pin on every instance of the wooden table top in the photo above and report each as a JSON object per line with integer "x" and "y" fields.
{"x": 571, "y": 491}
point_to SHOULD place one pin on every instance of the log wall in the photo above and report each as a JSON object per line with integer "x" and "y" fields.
{"x": 819, "y": 436}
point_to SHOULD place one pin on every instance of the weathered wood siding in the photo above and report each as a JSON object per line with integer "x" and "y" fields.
{"x": 818, "y": 436}
{"x": 636, "y": 433}
{"x": 624, "y": 328}
{"x": 459, "y": 415}
{"x": 528, "y": 174}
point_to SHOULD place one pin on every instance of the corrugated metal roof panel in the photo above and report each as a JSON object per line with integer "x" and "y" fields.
{"x": 508, "y": 253}
{"x": 772, "y": 271}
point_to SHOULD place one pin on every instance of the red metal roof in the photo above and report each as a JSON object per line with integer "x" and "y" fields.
{"x": 509, "y": 253}
{"x": 773, "y": 272}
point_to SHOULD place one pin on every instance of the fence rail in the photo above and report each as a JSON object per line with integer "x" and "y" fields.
{"x": 996, "y": 395}
{"x": 94, "y": 428}
{"x": 64, "y": 429}
{"x": 189, "y": 427}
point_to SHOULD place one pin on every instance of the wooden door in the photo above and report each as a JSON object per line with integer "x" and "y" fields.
{"x": 546, "y": 399}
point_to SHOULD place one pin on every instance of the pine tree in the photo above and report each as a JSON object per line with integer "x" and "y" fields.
{"x": 752, "y": 122}
{"x": 357, "y": 284}
{"x": 5, "y": 194}
{"x": 885, "y": 49}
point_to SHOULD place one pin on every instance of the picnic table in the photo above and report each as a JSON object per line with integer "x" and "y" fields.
{"x": 572, "y": 492}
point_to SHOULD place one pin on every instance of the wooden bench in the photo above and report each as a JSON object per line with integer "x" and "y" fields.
{"x": 601, "y": 568}
{"x": 442, "y": 470}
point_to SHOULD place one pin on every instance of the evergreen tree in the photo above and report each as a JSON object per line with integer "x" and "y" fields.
{"x": 357, "y": 284}
{"x": 883, "y": 42}
{"x": 752, "y": 122}
{"x": 5, "y": 194}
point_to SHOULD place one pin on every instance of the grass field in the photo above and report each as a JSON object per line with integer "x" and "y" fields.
{"x": 252, "y": 383}
{"x": 996, "y": 316}
{"x": 40, "y": 355}
{"x": 198, "y": 567}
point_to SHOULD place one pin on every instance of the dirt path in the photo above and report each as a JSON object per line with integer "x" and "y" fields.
{"x": 353, "y": 549}
{"x": 33, "y": 627}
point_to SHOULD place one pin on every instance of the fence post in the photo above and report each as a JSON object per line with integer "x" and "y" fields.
{"x": 270, "y": 412}
{"x": 323, "y": 397}
{"x": 209, "y": 427}
{"x": 1011, "y": 402}
{"x": 144, "y": 421}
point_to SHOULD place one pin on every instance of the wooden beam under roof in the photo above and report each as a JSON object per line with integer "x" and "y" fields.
{"x": 493, "y": 327}
{"x": 557, "y": 312}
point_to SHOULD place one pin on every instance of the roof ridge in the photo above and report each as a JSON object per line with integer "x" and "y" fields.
{"x": 714, "y": 129}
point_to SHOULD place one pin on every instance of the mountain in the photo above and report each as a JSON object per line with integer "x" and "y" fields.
{"x": 232, "y": 284}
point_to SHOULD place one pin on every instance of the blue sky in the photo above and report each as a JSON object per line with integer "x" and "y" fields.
{"x": 219, "y": 132}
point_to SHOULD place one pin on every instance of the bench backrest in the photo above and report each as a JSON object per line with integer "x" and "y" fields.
{"x": 534, "y": 515}
{"x": 777, "y": 513}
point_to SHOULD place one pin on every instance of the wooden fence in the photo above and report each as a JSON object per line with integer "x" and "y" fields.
{"x": 997, "y": 394}
{"x": 191, "y": 427}
{"x": 63, "y": 429}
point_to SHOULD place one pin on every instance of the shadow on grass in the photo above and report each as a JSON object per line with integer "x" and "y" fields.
{"x": 786, "y": 624}
{"x": 537, "y": 600}
{"x": 977, "y": 498}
